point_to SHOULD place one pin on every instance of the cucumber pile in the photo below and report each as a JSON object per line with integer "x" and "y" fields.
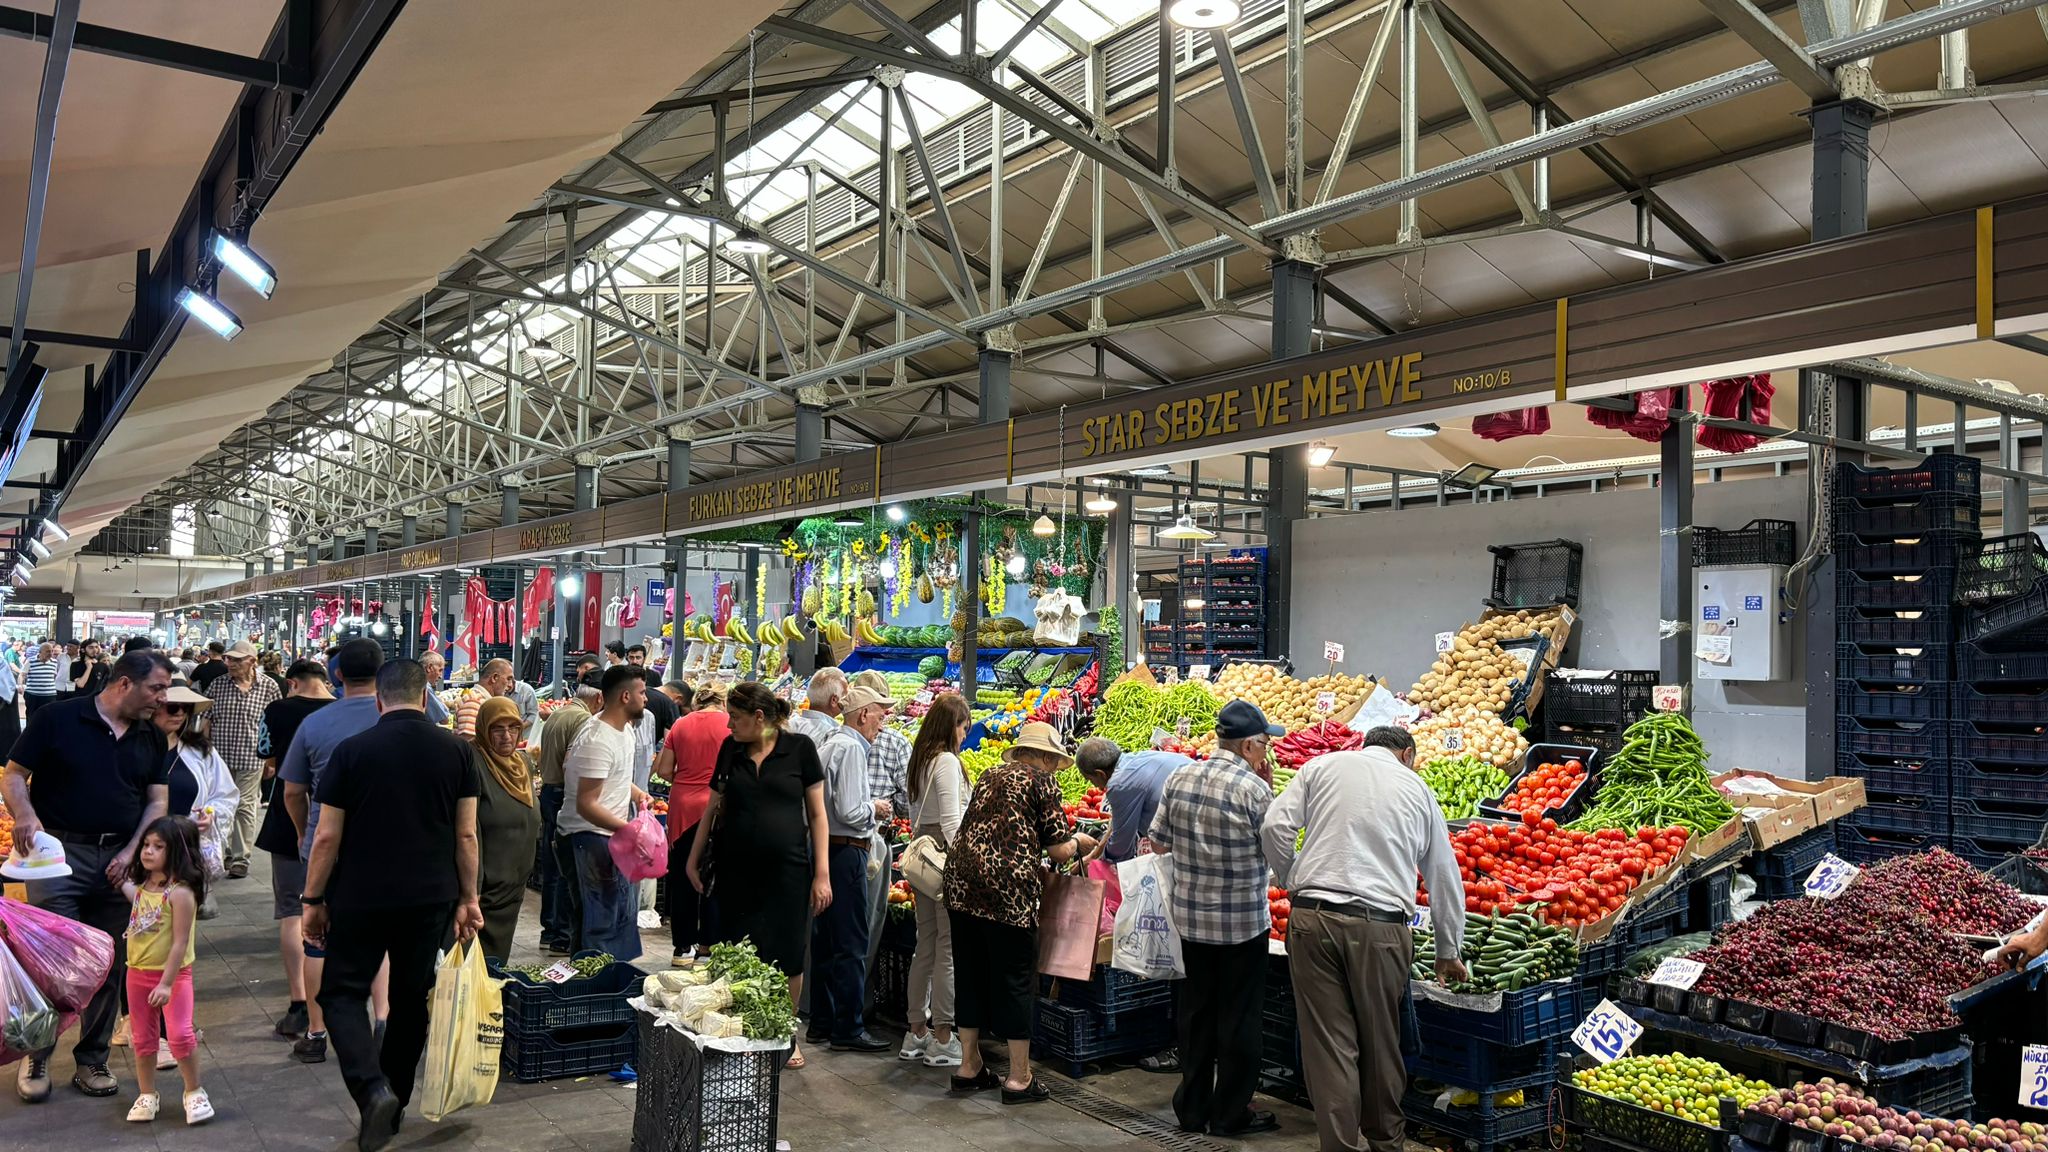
{"x": 1503, "y": 953}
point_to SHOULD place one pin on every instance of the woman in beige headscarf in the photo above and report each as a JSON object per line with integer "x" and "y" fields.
{"x": 507, "y": 824}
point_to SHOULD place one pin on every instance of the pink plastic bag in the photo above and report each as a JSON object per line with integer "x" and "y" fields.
{"x": 1112, "y": 893}
{"x": 640, "y": 849}
{"x": 67, "y": 960}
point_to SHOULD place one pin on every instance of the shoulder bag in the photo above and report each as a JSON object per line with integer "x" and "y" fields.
{"x": 924, "y": 865}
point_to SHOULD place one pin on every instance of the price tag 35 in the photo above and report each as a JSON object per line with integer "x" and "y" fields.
{"x": 1606, "y": 1033}
{"x": 1831, "y": 877}
{"x": 1454, "y": 740}
{"x": 559, "y": 972}
{"x": 2034, "y": 1076}
{"x": 1677, "y": 972}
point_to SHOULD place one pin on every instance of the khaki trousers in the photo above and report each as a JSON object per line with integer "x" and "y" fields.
{"x": 1349, "y": 975}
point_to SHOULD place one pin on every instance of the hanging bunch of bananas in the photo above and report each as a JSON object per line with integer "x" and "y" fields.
{"x": 865, "y": 633}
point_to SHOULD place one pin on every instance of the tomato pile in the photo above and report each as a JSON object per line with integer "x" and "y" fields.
{"x": 1090, "y": 807}
{"x": 1282, "y": 909}
{"x": 1562, "y": 875}
{"x": 1544, "y": 788}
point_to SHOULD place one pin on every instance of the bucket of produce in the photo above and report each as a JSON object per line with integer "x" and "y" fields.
{"x": 1668, "y": 1102}
{"x": 1555, "y": 783}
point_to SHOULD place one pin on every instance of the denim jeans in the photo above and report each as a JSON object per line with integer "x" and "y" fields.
{"x": 839, "y": 949}
{"x": 555, "y": 924}
{"x": 611, "y": 914}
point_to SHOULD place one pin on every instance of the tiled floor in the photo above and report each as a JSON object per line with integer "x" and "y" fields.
{"x": 840, "y": 1103}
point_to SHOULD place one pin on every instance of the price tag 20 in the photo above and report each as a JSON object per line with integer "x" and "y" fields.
{"x": 1333, "y": 651}
{"x": 2034, "y": 1076}
{"x": 1677, "y": 972}
{"x": 1445, "y": 641}
{"x": 1831, "y": 877}
{"x": 1606, "y": 1033}
{"x": 559, "y": 972}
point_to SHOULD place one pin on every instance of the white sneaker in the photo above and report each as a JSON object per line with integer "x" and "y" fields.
{"x": 144, "y": 1109}
{"x": 913, "y": 1046}
{"x": 198, "y": 1107}
{"x": 164, "y": 1060}
{"x": 945, "y": 1055}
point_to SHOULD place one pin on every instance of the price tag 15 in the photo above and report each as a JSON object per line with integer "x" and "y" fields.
{"x": 1831, "y": 877}
{"x": 559, "y": 972}
{"x": 1606, "y": 1033}
{"x": 1677, "y": 972}
{"x": 1326, "y": 701}
{"x": 2034, "y": 1076}
{"x": 1333, "y": 651}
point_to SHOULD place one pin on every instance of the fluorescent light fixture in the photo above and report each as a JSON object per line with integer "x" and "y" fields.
{"x": 847, "y": 520}
{"x": 544, "y": 352}
{"x": 748, "y": 246}
{"x": 1185, "y": 528}
{"x": 1102, "y": 501}
{"x": 244, "y": 263}
{"x": 1204, "y": 13}
{"x": 569, "y": 586}
{"x": 52, "y": 528}
{"x": 1016, "y": 565}
{"x": 1043, "y": 527}
{"x": 41, "y": 550}
{"x": 1216, "y": 544}
{"x": 896, "y": 514}
{"x": 224, "y": 323}
{"x": 1321, "y": 453}
{"x": 1152, "y": 470}
{"x": 1470, "y": 476}
{"x": 1416, "y": 432}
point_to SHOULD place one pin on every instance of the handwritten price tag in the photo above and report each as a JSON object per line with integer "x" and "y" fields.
{"x": 1333, "y": 651}
{"x": 1454, "y": 740}
{"x": 1326, "y": 701}
{"x": 559, "y": 972}
{"x": 1419, "y": 919}
{"x": 1198, "y": 671}
{"x": 1677, "y": 972}
{"x": 1606, "y": 1033}
{"x": 1831, "y": 877}
{"x": 1445, "y": 641}
{"x": 2034, "y": 1076}
{"x": 1182, "y": 727}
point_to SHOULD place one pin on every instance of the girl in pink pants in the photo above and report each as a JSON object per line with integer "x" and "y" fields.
{"x": 165, "y": 885}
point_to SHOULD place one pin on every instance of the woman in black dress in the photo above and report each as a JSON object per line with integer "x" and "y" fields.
{"x": 765, "y": 826}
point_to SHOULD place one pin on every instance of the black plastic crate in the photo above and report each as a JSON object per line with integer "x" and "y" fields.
{"x": 1930, "y": 557}
{"x": 2026, "y": 613}
{"x": 1483, "y": 1125}
{"x": 559, "y": 1053}
{"x": 1905, "y": 813}
{"x": 1529, "y": 1015}
{"x": 1931, "y": 1090}
{"x": 1999, "y": 742}
{"x": 1883, "y": 627}
{"x": 1944, "y": 473}
{"x": 1608, "y": 739}
{"x": 1795, "y": 858}
{"x": 1934, "y": 513}
{"x": 1539, "y": 574}
{"x": 533, "y": 1006}
{"x": 1613, "y": 699}
{"x": 1537, "y": 756}
{"x": 1077, "y": 1036}
{"x": 1892, "y": 667}
{"x": 1465, "y": 1062}
{"x": 1997, "y": 780}
{"x": 1757, "y": 542}
{"x": 2000, "y": 820}
{"x": 1862, "y": 845}
{"x": 889, "y": 983}
{"x": 1986, "y": 851}
{"x": 1905, "y": 741}
{"x": 2021, "y": 655}
{"x": 1658, "y": 917}
{"x": 2023, "y": 872}
{"x": 1113, "y": 990}
{"x": 1892, "y": 700}
{"x": 1710, "y": 902}
{"x": 2002, "y": 702}
{"x": 1893, "y": 775}
{"x": 688, "y": 1100}
{"x": 1894, "y": 589}
{"x": 2000, "y": 568}
{"x": 1637, "y": 1125}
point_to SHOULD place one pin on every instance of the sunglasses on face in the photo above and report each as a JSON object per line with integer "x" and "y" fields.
{"x": 177, "y": 709}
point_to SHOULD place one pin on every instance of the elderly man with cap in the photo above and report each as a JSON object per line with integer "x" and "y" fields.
{"x": 888, "y": 780}
{"x": 239, "y": 699}
{"x": 839, "y": 935}
{"x": 827, "y": 695}
{"x": 1209, "y": 818}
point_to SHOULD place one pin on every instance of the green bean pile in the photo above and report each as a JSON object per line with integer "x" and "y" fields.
{"x": 1658, "y": 779}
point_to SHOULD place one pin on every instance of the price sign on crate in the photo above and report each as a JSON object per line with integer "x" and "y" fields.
{"x": 1606, "y": 1033}
{"x": 1831, "y": 877}
{"x": 2034, "y": 1076}
{"x": 561, "y": 971}
{"x": 1198, "y": 671}
{"x": 1677, "y": 972}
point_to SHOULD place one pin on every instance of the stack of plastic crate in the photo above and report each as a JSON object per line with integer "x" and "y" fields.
{"x": 1898, "y": 535}
{"x": 1505, "y": 1060}
{"x": 2000, "y": 706}
{"x": 1594, "y": 708}
{"x": 1113, "y": 1015}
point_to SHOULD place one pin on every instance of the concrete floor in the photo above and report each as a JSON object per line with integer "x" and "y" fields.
{"x": 840, "y": 1103}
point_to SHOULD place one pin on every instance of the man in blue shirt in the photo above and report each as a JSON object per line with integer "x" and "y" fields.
{"x": 1131, "y": 785}
{"x": 357, "y": 662}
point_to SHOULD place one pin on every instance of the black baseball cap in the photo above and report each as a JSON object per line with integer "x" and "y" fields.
{"x": 1241, "y": 719}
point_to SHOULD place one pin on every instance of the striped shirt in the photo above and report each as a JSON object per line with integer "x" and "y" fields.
{"x": 1208, "y": 818}
{"x": 42, "y": 678}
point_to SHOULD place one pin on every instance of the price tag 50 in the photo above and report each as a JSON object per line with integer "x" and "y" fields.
{"x": 1677, "y": 972}
{"x": 2034, "y": 1076}
{"x": 1606, "y": 1033}
{"x": 1831, "y": 877}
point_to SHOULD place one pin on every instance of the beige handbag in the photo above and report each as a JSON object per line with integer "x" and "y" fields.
{"x": 924, "y": 865}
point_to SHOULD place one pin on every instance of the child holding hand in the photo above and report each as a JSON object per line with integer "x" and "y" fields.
{"x": 165, "y": 885}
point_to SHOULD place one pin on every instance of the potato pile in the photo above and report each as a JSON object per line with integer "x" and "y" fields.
{"x": 1286, "y": 701}
{"x": 1477, "y": 671}
{"x": 1478, "y": 731}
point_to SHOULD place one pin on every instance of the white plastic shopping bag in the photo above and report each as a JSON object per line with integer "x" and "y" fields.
{"x": 464, "y": 1034}
{"x": 1147, "y": 944}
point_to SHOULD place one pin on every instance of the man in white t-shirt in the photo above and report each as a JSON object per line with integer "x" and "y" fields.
{"x": 597, "y": 799}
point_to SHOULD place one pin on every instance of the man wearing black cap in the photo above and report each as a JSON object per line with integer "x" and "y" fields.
{"x": 1208, "y": 819}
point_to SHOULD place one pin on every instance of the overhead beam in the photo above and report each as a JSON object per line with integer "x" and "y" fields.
{"x": 63, "y": 25}
{"x": 1763, "y": 34}
{"x": 125, "y": 45}
{"x": 73, "y": 339}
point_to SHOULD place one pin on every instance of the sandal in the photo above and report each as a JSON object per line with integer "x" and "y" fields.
{"x": 981, "y": 1081}
{"x": 796, "y": 1058}
{"x": 1031, "y": 1093}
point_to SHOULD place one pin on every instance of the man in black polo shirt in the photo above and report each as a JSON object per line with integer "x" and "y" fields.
{"x": 93, "y": 772}
{"x": 214, "y": 665}
{"x": 394, "y": 857}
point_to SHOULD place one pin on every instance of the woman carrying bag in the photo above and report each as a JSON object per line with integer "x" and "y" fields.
{"x": 938, "y": 799}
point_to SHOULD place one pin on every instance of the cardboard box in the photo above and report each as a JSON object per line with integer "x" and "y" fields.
{"x": 1840, "y": 796}
{"x": 1707, "y": 845}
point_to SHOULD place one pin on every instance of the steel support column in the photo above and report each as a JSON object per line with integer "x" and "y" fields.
{"x": 1122, "y": 580}
{"x": 586, "y": 486}
{"x": 995, "y": 409}
{"x": 676, "y": 557}
{"x": 2014, "y": 493}
{"x": 408, "y": 530}
{"x": 448, "y": 578}
{"x": 1294, "y": 310}
{"x": 810, "y": 432}
{"x": 1674, "y": 548}
{"x": 508, "y": 501}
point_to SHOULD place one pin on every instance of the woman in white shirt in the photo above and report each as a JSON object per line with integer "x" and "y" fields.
{"x": 938, "y": 799}
{"x": 202, "y": 788}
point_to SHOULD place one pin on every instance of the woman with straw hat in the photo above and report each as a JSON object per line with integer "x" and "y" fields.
{"x": 993, "y": 887}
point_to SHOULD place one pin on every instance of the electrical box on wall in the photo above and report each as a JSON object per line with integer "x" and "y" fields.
{"x": 1735, "y": 628}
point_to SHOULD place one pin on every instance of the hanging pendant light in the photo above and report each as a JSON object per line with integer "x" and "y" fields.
{"x": 1043, "y": 527}
{"x": 1102, "y": 501}
{"x": 1185, "y": 528}
{"x": 1017, "y": 564}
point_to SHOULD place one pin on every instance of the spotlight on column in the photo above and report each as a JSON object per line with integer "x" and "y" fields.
{"x": 209, "y": 312}
{"x": 250, "y": 267}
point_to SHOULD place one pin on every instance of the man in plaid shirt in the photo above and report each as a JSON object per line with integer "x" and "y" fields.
{"x": 239, "y": 698}
{"x": 888, "y": 779}
{"x": 1208, "y": 818}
